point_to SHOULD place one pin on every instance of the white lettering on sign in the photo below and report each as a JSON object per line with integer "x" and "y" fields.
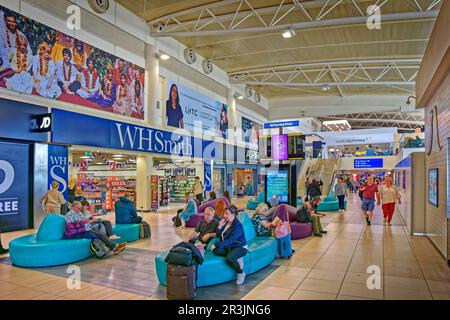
{"x": 9, "y": 206}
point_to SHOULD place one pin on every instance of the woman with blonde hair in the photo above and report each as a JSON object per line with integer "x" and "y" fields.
{"x": 388, "y": 195}
{"x": 44, "y": 72}
{"x": 53, "y": 199}
{"x": 260, "y": 220}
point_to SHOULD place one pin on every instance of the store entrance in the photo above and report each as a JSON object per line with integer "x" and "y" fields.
{"x": 101, "y": 178}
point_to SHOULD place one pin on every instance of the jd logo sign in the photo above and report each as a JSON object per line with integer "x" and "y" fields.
{"x": 41, "y": 123}
{"x": 8, "y": 172}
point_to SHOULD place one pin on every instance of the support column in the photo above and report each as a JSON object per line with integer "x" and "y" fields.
{"x": 143, "y": 167}
{"x": 232, "y": 116}
{"x": 153, "y": 113}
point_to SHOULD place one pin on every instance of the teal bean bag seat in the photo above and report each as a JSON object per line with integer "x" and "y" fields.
{"x": 330, "y": 203}
{"x": 47, "y": 247}
{"x": 253, "y": 204}
{"x": 214, "y": 270}
{"x": 127, "y": 232}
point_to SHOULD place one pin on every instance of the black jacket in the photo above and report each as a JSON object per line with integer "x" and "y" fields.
{"x": 198, "y": 257}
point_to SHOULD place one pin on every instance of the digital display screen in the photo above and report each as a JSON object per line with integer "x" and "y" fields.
{"x": 296, "y": 145}
{"x": 280, "y": 147}
{"x": 368, "y": 163}
{"x": 278, "y": 185}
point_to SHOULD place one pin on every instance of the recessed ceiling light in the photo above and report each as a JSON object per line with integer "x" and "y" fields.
{"x": 165, "y": 56}
{"x": 85, "y": 157}
{"x": 289, "y": 33}
{"x": 326, "y": 87}
{"x": 240, "y": 97}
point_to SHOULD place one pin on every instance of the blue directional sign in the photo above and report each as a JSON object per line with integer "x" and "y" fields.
{"x": 283, "y": 124}
{"x": 368, "y": 163}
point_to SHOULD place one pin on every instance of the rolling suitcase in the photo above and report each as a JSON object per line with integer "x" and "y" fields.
{"x": 285, "y": 247}
{"x": 144, "y": 230}
{"x": 181, "y": 282}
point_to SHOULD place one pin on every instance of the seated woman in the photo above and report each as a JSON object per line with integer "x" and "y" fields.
{"x": 232, "y": 243}
{"x": 79, "y": 226}
{"x": 307, "y": 213}
{"x": 263, "y": 227}
{"x": 221, "y": 206}
{"x": 189, "y": 210}
{"x": 104, "y": 226}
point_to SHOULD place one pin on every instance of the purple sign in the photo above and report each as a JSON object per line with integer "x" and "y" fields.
{"x": 280, "y": 147}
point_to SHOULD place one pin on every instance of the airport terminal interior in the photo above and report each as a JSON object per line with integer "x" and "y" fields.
{"x": 224, "y": 150}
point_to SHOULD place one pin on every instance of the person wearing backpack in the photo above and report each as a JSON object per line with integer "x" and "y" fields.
{"x": 79, "y": 226}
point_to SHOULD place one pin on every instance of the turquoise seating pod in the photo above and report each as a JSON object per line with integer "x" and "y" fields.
{"x": 127, "y": 232}
{"x": 214, "y": 270}
{"x": 253, "y": 204}
{"x": 330, "y": 203}
{"x": 46, "y": 247}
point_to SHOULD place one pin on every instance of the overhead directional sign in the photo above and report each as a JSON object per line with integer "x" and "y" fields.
{"x": 283, "y": 124}
{"x": 368, "y": 163}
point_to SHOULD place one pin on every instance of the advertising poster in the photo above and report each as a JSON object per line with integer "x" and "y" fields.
{"x": 207, "y": 168}
{"x": 433, "y": 187}
{"x": 278, "y": 185}
{"x": 188, "y": 109}
{"x": 251, "y": 131}
{"x": 14, "y": 186}
{"x": 280, "y": 147}
{"x": 36, "y": 59}
{"x": 154, "y": 205}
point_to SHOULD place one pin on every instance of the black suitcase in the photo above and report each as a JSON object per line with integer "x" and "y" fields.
{"x": 181, "y": 282}
{"x": 144, "y": 230}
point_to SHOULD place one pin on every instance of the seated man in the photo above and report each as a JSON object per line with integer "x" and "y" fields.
{"x": 79, "y": 226}
{"x": 307, "y": 213}
{"x": 125, "y": 212}
{"x": 206, "y": 229}
{"x": 103, "y": 226}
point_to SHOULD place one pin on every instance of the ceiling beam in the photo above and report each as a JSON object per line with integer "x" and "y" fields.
{"x": 416, "y": 15}
{"x": 318, "y": 84}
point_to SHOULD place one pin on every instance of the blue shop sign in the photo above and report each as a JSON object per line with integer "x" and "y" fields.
{"x": 79, "y": 129}
{"x": 58, "y": 167}
{"x": 283, "y": 124}
{"x": 368, "y": 163}
{"x": 207, "y": 168}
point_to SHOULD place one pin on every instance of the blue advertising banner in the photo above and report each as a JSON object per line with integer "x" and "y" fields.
{"x": 58, "y": 167}
{"x": 14, "y": 186}
{"x": 368, "y": 163}
{"x": 281, "y": 124}
{"x": 207, "y": 166}
{"x": 188, "y": 109}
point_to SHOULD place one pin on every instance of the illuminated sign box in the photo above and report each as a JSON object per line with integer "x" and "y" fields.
{"x": 368, "y": 163}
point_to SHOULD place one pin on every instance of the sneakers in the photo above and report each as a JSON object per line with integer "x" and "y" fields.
{"x": 240, "y": 278}
{"x": 119, "y": 248}
{"x": 3, "y": 251}
{"x": 241, "y": 263}
{"x": 389, "y": 224}
{"x": 114, "y": 237}
{"x": 368, "y": 221}
{"x": 323, "y": 231}
{"x": 318, "y": 235}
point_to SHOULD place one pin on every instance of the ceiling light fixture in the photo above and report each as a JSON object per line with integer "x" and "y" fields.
{"x": 289, "y": 33}
{"x": 165, "y": 56}
{"x": 325, "y": 87}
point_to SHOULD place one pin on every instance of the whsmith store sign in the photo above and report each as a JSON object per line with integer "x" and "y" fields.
{"x": 78, "y": 129}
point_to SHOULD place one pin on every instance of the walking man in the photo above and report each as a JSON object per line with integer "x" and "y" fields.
{"x": 369, "y": 190}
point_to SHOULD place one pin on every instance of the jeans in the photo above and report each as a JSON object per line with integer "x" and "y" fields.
{"x": 94, "y": 235}
{"x": 231, "y": 256}
{"x": 341, "y": 199}
{"x": 108, "y": 227}
{"x": 368, "y": 205}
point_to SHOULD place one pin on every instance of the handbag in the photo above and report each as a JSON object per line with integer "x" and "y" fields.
{"x": 180, "y": 256}
{"x": 283, "y": 229}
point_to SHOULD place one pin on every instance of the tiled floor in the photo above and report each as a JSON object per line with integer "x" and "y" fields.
{"x": 332, "y": 267}
{"x": 335, "y": 266}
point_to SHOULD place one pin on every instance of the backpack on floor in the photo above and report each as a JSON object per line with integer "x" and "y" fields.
{"x": 99, "y": 249}
{"x": 177, "y": 221}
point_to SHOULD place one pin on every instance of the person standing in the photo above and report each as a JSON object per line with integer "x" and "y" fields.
{"x": 369, "y": 190}
{"x": 340, "y": 190}
{"x": 198, "y": 189}
{"x": 53, "y": 199}
{"x": 388, "y": 195}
